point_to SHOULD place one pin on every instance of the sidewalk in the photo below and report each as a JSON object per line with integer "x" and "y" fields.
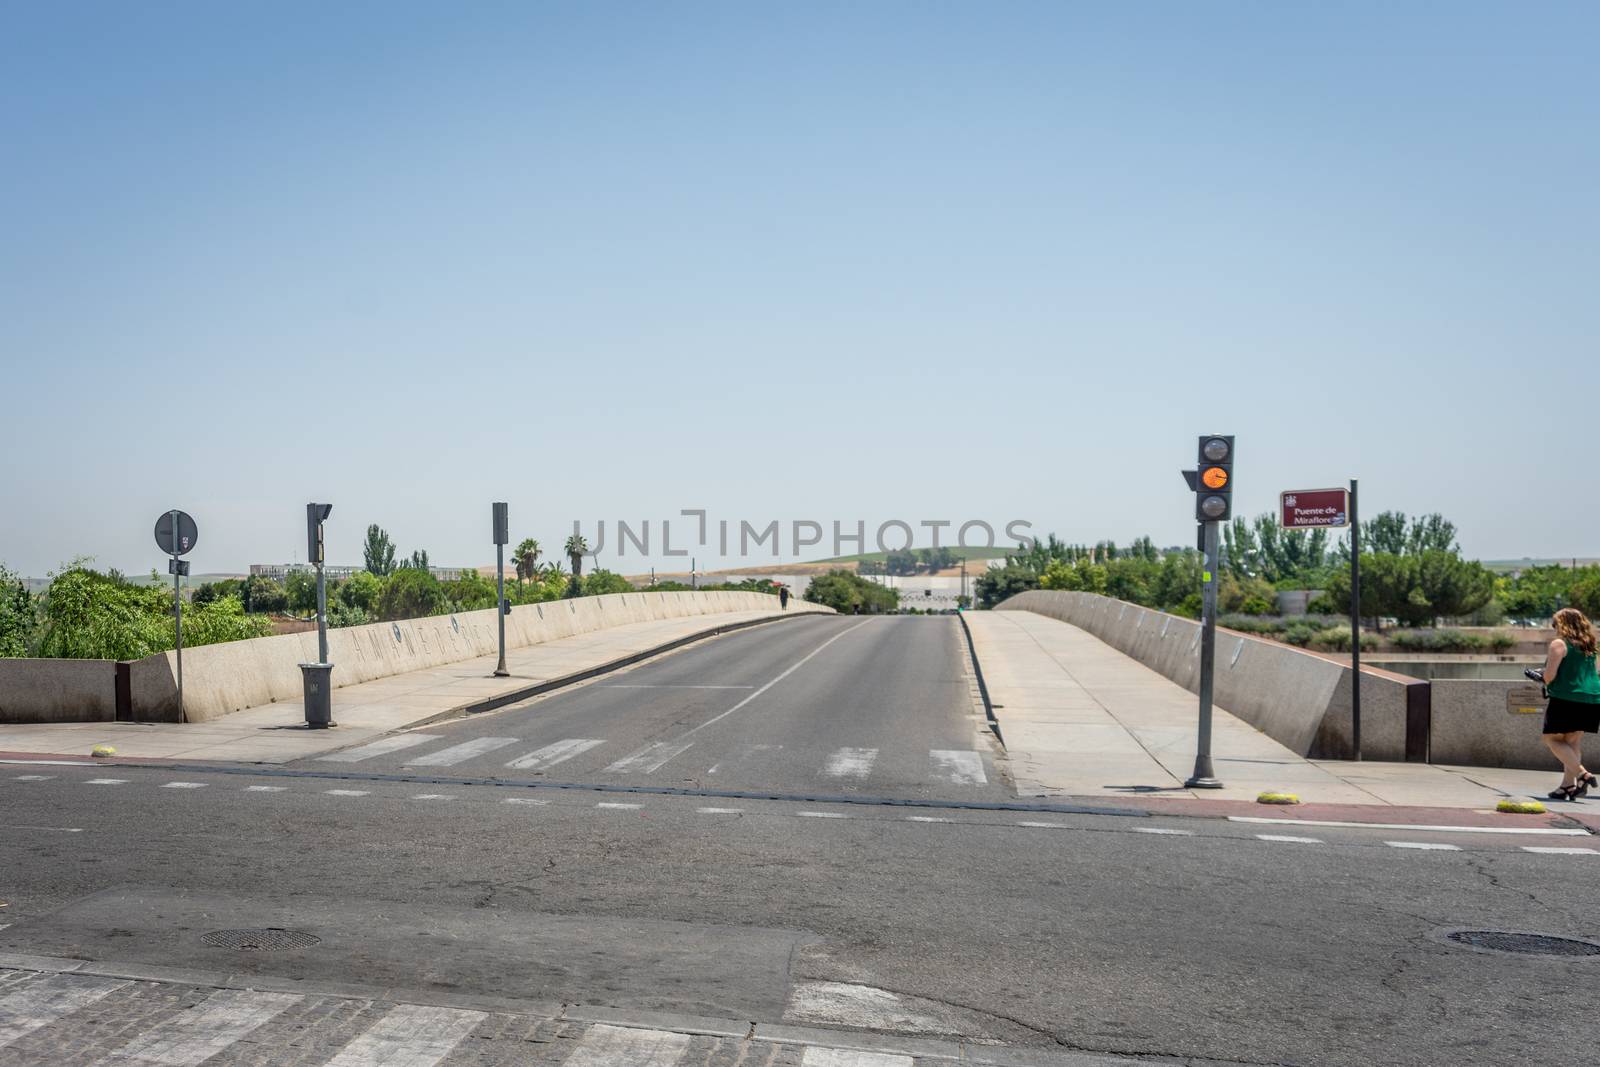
{"x": 275, "y": 733}
{"x": 1081, "y": 719}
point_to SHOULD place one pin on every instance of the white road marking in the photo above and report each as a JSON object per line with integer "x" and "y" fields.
{"x": 1290, "y": 839}
{"x": 381, "y": 747}
{"x": 194, "y": 1036}
{"x": 48, "y": 762}
{"x": 720, "y": 811}
{"x": 1546, "y": 830}
{"x": 434, "y": 796}
{"x": 345, "y": 792}
{"x": 851, "y": 763}
{"x": 839, "y": 1057}
{"x": 265, "y": 788}
{"x": 40, "y": 1001}
{"x": 1428, "y": 846}
{"x": 409, "y": 1035}
{"x": 925, "y": 818}
{"x": 33, "y": 777}
{"x": 822, "y": 815}
{"x": 1548, "y": 851}
{"x": 525, "y": 800}
{"x": 447, "y": 757}
{"x": 675, "y": 687}
{"x": 55, "y": 829}
{"x": 1045, "y": 825}
{"x": 649, "y": 759}
{"x": 621, "y": 1046}
{"x": 802, "y": 662}
{"x": 106, "y": 781}
{"x": 1163, "y": 830}
{"x": 959, "y": 766}
{"x": 184, "y": 785}
{"x": 614, "y": 806}
{"x": 550, "y": 755}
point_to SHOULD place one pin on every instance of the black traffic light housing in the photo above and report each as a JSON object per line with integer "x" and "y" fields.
{"x": 1213, "y": 479}
{"x": 315, "y": 514}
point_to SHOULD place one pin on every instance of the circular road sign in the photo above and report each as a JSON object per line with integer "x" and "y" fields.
{"x": 188, "y": 534}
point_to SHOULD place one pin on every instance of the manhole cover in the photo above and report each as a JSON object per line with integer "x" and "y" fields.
{"x": 270, "y": 939}
{"x": 1522, "y": 943}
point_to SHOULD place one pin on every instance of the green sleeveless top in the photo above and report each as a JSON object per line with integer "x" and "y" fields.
{"x": 1576, "y": 679}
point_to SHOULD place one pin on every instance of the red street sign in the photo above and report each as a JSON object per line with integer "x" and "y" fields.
{"x": 1305, "y": 509}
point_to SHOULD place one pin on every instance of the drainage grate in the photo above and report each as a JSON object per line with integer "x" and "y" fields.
{"x": 1523, "y": 944}
{"x": 271, "y": 939}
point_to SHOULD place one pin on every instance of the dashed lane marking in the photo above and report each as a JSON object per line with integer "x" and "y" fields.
{"x": 840, "y": 1057}
{"x": 720, "y": 811}
{"x": 822, "y": 815}
{"x": 434, "y": 796}
{"x": 531, "y": 801}
{"x": 614, "y": 806}
{"x": 1167, "y": 830}
{"x": 1045, "y": 825}
{"x": 265, "y": 788}
{"x": 41, "y": 1001}
{"x": 1290, "y": 839}
{"x": 958, "y": 766}
{"x": 612, "y": 1046}
{"x": 449, "y": 757}
{"x": 410, "y": 1035}
{"x": 33, "y": 778}
{"x": 926, "y": 818}
{"x": 674, "y": 687}
{"x": 851, "y": 763}
{"x": 550, "y": 755}
{"x": 194, "y": 1036}
{"x": 1546, "y": 830}
{"x": 106, "y": 781}
{"x": 346, "y": 792}
{"x": 1424, "y": 846}
{"x": 1548, "y": 850}
{"x": 184, "y": 785}
{"x": 381, "y": 747}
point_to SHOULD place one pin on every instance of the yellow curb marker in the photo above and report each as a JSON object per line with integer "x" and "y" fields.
{"x": 1277, "y": 798}
{"x": 1520, "y": 807}
{"x": 102, "y": 751}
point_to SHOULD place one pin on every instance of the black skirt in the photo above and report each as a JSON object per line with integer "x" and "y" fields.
{"x": 1567, "y": 716}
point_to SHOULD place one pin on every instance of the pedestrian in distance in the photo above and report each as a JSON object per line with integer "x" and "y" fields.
{"x": 783, "y": 597}
{"x": 1570, "y": 677}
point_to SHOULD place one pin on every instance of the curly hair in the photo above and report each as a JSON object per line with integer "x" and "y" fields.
{"x": 1573, "y": 626}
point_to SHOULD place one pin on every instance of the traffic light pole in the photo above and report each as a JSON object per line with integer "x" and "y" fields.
{"x": 1204, "y": 776}
{"x": 1355, "y": 624}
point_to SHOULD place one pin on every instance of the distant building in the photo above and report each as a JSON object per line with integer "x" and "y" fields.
{"x": 279, "y": 572}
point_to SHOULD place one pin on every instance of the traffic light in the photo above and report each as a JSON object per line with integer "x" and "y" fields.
{"x": 315, "y": 514}
{"x": 1213, "y": 491}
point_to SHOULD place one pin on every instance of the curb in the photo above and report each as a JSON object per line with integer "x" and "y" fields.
{"x": 983, "y": 686}
{"x": 948, "y": 1050}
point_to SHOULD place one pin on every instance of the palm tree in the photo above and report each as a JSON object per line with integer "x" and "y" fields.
{"x": 577, "y": 547}
{"x": 527, "y": 559}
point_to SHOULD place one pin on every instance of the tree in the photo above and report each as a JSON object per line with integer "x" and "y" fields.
{"x": 360, "y": 592}
{"x": 417, "y": 562}
{"x": 1001, "y": 583}
{"x": 471, "y": 592}
{"x": 576, "y": 548}
{"x": 1415, "y": 589}
{"x": 378, "y": 555}
{"x": 603, "y": 581}
{"x": 901, "y": 561}
{"x": 850, "y": 594}
{"x": 411, "y": 593}
{"x": 262, "y": 595}
{"x": 206, "y": 592}
{"x": 526, "y": 558}
{"x": 301, "y": 590}
{"x": 17, "y": 616}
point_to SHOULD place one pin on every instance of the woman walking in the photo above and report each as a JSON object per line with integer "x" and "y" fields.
{"x": 1574, "y": 709}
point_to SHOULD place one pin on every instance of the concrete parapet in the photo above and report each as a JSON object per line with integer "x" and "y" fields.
{"x": 58, "y": 690}
{"x": 1472, "y": 726}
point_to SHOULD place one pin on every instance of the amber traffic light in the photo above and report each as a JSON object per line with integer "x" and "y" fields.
{"x": 1213, "y": 498}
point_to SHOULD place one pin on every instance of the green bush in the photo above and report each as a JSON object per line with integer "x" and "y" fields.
{"x": 1255, "y": 606}
{"x": 849, "y": 594}
{"x": 1502, "y": 642}
{"x": 1252, "y": 624}
{"x": 1448, "y": 641}
{"x": 1321, "y": 605}
{"x": 1337, "y": 639}
{"x": 411, "y": 593}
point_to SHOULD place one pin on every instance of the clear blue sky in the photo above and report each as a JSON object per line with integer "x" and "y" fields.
{"x": 821, "y": 261}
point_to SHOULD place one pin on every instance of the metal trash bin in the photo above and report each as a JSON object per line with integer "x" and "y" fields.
{"x": 318, "y": 683}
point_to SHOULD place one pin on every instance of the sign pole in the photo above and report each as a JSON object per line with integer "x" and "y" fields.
{"x": 1204, "y": 776}
{"x": 177, "y": 607}
{"x": 502, "y": 534}
{"x": 1355, "y": 623}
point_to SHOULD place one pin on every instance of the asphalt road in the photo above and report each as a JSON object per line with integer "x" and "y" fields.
{"x": 1057, "y": 930}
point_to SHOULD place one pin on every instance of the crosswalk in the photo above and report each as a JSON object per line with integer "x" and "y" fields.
{"x": 46, "y": 1016}
{"x": 952, "y": 767}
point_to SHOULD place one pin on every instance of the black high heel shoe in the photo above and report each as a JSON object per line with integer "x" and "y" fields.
{"x": 1587, "y": 780}
{"x": 1568, "y": 792}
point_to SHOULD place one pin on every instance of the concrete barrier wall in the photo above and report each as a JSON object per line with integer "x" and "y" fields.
{"x": 226, "y": 677}
{"x": 58, "y": 690}
{"x": 1472, "y": 727}
{"x": 1299, "y": 699}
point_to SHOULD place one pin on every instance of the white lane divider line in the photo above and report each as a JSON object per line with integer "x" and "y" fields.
{"x": 614, "y": 806}
{"x": 800, "y": 663}
{"x": 184, "y": 785}
{"x": 532, "y": 801}
{"x": 448, "y": 757}
{"x": 194, "y": 1036}
{"x": 1426, "y": 846}
{"x": 381, "y": 747}
{"x": 851, "y": 763}
{"x": 926, "y": 818}
{"x": 842, "y": 1057}
{"x": 265, "y": 788}
{"x": 720, "y": 811}
{"x": 410, "y": 1035}
{"x": 822, "y": 815}
{"x": 106, "y": 781}
{"x": 649, "y": 759}
{"x": 958, "y": 766}
{"x": 346, "y": 792}
{"x": 612, "y": 1046}
{"x": 1547, "y": 850}
{"x": 1548, "y": 831}
{"x": 550, "y": 755}
{"x": 33, "y": 778}
{"x": 434, "y": 796}
{"x": 38, "y": 1002}
{"x": 1045, "y": 825}
{"x": 1169, "y": 831}
{"x": 1290, "y": 839}
{"x": 674, "y": 687}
